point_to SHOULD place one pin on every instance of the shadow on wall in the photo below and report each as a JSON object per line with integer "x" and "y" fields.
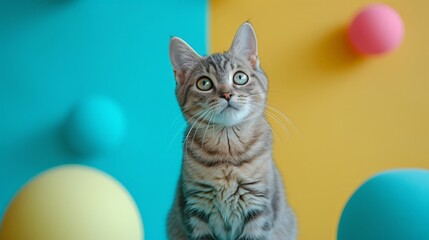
{"x": 41, "y": 149}
{"x": 33, "y": 4}
{"x": 333, "y": 53}
{"x": 44, "y": 146}
{"x": 324, "y": 58}
{"x": 15, "y": 11}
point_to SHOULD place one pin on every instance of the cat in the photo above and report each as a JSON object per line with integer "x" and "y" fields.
{"x": 229, "y": 187}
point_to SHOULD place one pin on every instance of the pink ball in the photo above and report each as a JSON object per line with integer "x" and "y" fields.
{"x": 376, "y": 29}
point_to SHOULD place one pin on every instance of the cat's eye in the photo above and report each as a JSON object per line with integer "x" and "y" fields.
{"x": 240, "y": 78}
{"x": 204, "y": 84}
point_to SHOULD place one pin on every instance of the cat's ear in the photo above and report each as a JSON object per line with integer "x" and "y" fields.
{"x": 182, "y": 57}
{"x": 245, "y": 44}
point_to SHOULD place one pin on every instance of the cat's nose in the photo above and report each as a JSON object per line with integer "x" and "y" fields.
{"x": 227, "y": 96}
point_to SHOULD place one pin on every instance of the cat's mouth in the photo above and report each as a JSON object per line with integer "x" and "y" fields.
{"x": 229, "y": 107}
{"x": 231, "y": 114}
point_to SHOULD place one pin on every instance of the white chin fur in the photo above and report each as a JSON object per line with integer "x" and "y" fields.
{"x": 230, "y": 117}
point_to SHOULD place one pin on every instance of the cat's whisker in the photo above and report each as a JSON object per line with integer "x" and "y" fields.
{"x": 275, "y": 134}
{"x": 190, "y": 130}
{"x": 204, "y": 115}
{"x": 213, "y": 130}
{"x": 278, "y": 120}
{"x": 208, "y": 125}
{"x": 275, "y": 118}
{"x": 204, "y": 119}
{"x": 181, "y": 114}
{"x": 194, "y": 124}
{"x": 185, "y": 124}
{"x": 182, "y": 127}
{"x": 286, "y": 118}
{"x": 254, "y": 94}
{"x": 277, "y": 111}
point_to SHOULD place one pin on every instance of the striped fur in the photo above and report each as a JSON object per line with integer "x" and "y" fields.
{"x": 229, "y": 186}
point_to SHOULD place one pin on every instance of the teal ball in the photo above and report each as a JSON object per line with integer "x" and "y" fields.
{"x": 392, "y": 205}
{"x": 95, "y": 125}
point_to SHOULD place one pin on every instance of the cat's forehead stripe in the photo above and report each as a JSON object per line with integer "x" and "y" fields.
{"x": 225, "y": 62}
{"x": 216, "y": 64}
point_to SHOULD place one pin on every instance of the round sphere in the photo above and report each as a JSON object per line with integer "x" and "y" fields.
{"x": 95, "y": 125}
{"x": 392, "y": 205}
{"x": 376, "y": 29}
{"x": 72, "y": 202}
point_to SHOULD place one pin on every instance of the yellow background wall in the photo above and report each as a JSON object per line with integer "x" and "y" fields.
{"x": 355, "y": 117}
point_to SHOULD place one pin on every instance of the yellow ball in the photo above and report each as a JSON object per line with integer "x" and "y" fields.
{"x": 72, "y": 202}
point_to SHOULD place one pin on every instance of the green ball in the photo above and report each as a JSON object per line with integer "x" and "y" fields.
{"x": 95, "y": 125}
{"x": 392, "y": 205}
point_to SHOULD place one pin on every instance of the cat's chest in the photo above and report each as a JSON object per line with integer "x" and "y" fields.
{"x": 234, "y": 195}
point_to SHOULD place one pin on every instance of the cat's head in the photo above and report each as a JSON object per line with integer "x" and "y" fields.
{"x": 225, "y": 88}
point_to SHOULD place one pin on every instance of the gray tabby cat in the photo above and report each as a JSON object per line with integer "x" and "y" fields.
{"x": 229, "y": 186}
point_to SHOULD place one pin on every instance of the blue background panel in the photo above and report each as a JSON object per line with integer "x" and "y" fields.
{"x": 54, "y": 53}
